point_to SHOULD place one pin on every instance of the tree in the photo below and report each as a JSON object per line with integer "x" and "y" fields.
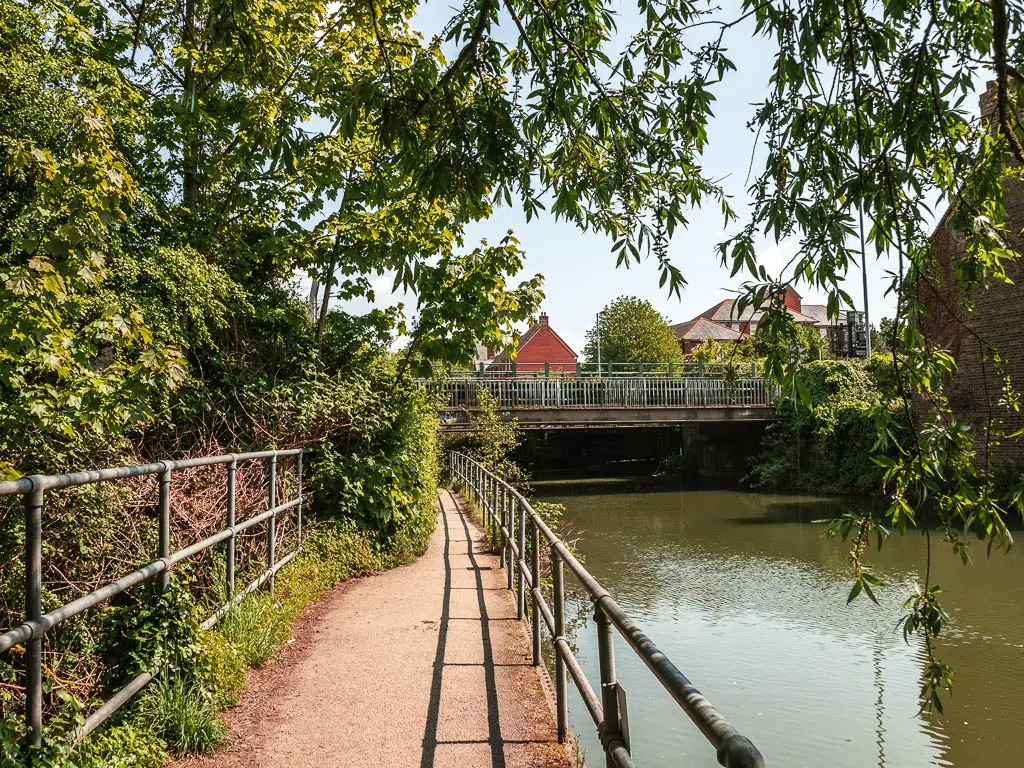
{"x": 632, "y": 331}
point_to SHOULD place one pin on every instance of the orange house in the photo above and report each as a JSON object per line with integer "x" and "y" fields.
{"x": 541, "y": 350}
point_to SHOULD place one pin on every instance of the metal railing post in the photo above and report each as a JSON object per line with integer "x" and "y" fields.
{"x": 496, "y": 519}
{"x": 33, "y": 612}
{"x": 272, "y": 522}
{"x": 499, "y": 524}
{"x": 488, "y": 501}
{"x": 611, "y": 730}
{"x": 535, "y": 573}
{"x": 164, "y": 579}
{"x": 494, "y": 513}
{"x": 298, "y": 521}
{"x": 561, "y": 687}
{"x": 521, "y": 594}
{"x": 230, "y": 576}
{"x": 510, "y": 522}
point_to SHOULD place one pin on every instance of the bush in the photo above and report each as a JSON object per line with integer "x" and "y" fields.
{"x": 828, "y": 444}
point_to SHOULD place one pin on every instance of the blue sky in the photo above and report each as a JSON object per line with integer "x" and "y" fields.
{"x": 579, "y": 269}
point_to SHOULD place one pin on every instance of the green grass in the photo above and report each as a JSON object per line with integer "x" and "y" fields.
{"x": 254, "y": 628}
{"x": 183, "y": 715}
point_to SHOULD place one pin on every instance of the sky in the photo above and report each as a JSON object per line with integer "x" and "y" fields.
{"x": 580, "y": 274}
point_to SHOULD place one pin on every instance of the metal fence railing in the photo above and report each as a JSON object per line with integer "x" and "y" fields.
{"x": 31, "y": 632}
{"x": 506, "y": 515}
{"x": 607, "y": 370}
{"x": 626, "y": 392}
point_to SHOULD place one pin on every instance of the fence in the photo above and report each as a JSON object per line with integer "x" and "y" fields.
{"x": 37, "y": 624}
{"x": 605, "y": 370}
{"x": 632, "y": 392}
{"x": 506, "y": 514}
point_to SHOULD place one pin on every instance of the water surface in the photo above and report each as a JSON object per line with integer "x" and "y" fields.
{"x": 746, "y": 596}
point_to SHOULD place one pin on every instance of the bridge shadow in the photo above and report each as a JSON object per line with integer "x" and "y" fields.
{"x": 453, "y": 728}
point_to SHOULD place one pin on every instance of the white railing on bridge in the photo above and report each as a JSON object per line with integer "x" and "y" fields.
{"x": 620, "y": 392}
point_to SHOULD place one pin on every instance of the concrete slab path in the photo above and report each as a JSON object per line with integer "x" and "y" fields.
{"x": 423, "y": 666}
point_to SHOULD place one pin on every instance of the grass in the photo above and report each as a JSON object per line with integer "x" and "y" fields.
{"x": 183, "y": 715}
{"x": 254, "y": 628}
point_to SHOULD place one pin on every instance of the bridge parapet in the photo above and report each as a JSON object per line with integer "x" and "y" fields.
{"x": 619, "y": 392}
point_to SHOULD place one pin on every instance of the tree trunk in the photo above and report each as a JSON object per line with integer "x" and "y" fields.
{"x": 191, "y": 143}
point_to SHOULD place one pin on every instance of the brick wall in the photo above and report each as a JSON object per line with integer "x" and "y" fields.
{"x": 996, "y": 318}
{"x": 544, "y": 346}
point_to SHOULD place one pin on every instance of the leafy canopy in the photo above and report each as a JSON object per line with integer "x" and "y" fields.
{"x": 631, "y": 330}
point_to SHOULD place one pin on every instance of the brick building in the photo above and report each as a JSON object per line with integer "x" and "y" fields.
{"x": 693, "y": 333}
{"x": 540, "y": 349}
{"x": 995, "y": 319}
{"x": 727, "y": 313}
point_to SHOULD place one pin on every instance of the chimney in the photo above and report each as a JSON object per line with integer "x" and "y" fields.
{"x": 543, "y": 319}
{"x": 989, "y": 106}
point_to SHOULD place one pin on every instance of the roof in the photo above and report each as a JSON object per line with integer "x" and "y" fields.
{"x": 819, "y": 312}
{"x": 725, "y": 311}
{"x": 702, "y": 329}
{"x": 502, "y": 357}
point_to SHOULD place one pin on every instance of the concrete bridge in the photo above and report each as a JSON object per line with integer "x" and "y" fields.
{"x": 621, "y": 401}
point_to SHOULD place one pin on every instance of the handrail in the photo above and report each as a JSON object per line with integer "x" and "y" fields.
{"x": 605, "y": 369}
{"x": 37, "y": 624}
{"x": 505, "y": 514}
{"x": 620, "y": 392}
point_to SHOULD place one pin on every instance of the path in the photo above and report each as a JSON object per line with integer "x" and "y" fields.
{"x": 421, "y": 666}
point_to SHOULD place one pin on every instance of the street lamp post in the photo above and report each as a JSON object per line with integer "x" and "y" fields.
{"x": 599, "y": 345}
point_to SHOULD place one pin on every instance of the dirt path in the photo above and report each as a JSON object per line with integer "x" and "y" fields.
{"x": 422, "y": 666}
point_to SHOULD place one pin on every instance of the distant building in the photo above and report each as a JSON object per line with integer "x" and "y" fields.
{"x": 483, "y": 356}
{"x": 693, "y": 333}
{"x": 727, "y": 313}
{"x": 540, "y": 349}
{"x": 994, "y": 318}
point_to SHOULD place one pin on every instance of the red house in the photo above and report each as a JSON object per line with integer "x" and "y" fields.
{"x": 540, "y": 350}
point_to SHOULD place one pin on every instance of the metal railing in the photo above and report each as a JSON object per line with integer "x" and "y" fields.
{"x": 506, "y": 514}
{"x": 37, "y": 624}
{"x": 605, "y": 370}
{"x": 632, "y": 392}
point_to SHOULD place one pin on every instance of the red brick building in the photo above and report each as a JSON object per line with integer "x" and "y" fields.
{"x": 693, "y": 333}
{"x": 540, "y": 349}
{"x": 995, "y": 319}
{"x": 727, "y": 313}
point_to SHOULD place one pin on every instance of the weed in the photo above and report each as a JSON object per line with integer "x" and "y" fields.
{"x": 182, "y": 714}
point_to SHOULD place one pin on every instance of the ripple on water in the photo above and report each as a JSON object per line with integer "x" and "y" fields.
{"x": 756, "y": 616}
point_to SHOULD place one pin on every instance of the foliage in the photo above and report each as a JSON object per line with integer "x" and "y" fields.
{"x": 183, "y": 715}
{"x": 492, "y": 440}
{"x": 631, "y": 330}
{"x": 332, "y": 138}
{"x": 829, "y": 444}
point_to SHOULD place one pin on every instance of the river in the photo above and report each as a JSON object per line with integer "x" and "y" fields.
{"x": 748, "y": 598}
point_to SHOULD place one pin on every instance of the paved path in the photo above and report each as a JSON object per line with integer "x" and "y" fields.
{"x": 422, "y": 666}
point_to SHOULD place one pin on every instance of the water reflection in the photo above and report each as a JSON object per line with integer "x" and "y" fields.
{"x": 749, "y": 599}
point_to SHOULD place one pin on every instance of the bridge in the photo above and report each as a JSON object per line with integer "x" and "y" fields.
{"x": 622, "y": 400}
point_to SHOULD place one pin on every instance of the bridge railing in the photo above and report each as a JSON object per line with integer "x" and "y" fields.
{"x": 606, "y": 370}
{"x": 631, "y": 392}
{"x": 33, "y": 489}
{"x": 512, "y": 521}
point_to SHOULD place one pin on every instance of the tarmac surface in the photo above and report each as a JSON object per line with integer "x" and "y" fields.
{"x": 425, "y": 665}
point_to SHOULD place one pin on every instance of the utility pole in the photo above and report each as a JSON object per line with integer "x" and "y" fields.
{"x": 864, "y": 277}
